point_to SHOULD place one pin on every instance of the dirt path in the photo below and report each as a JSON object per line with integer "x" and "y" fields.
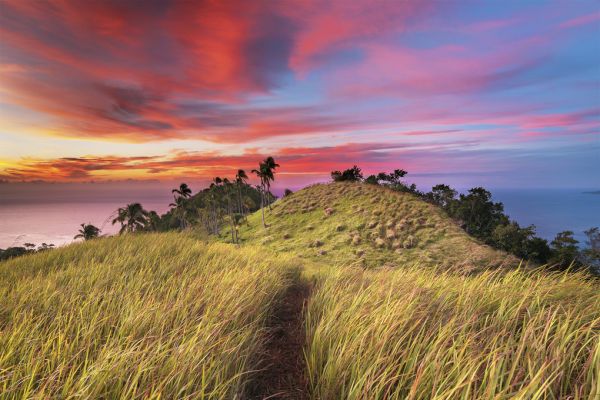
{"x": 284, "y": 373}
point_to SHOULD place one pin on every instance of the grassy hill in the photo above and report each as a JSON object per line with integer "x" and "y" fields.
{"x": 369, "y": 225}
{"x": 137, "y": 316}
{"x": 293, "y": 313}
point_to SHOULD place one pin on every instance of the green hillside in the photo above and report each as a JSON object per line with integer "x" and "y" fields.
{"x": 368, "y": 225}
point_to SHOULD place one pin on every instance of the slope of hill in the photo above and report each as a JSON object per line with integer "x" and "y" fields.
{"x": 136, "y": 316}
{"x": 149, "y": 316}
{"x": 368, "y": 225}
{"x": 416, "y": 333}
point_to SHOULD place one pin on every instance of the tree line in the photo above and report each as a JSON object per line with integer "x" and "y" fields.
{"x": 223, "y": 205}
{"x": 481, "y": 217}
{"x": 27, "y": 248}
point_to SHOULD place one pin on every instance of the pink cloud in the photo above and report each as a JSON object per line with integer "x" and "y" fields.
{"x": 326, "y": 28}
{"x": 582, "y": 20}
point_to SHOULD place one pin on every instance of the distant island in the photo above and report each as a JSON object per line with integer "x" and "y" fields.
{"x": 592, "y": 192}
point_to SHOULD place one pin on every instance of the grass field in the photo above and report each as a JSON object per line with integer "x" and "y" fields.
{"x": 412, "y": 333}
{"x": 148, "y": 316}
{"x": 399, "y": 304}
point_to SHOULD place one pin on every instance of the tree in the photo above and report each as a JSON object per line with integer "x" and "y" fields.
{"x": 11, "y": 252}
{"x": 443, "y": 196}
{"x": 270, "y": 165}
{"x": 132, "y": 218}
{"x": 228, "y": 197}
{"x": 393, "y": 178}
{"x": 154, "y": 221}
{"x": 369, "y": 180}
{"x": 538, "y": 250}
{"x": 521, "y": 242}
{"x": 87, "y": 232}
{"x": 240, "y": 181}
{"x": 564, "y": 250}
{"x": 183, "y": 191}
{"x": 180, "y": 211}
{"x": 353, "y": 174}
{"x": 287, "y": 192}
{"x": 591, "y": 254}
{"x": 266, "y": 174}
{"x": 45, "y": 246}
{"x": 479, "y": 214}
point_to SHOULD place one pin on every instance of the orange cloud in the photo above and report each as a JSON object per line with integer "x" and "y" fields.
{"x": 307, "y": 161}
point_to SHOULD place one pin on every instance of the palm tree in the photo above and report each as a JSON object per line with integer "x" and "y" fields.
{"x": 266, "y": 174}
{"x": 269, "y": 165}
{"x": 183, "y": 191}
{"x": 87, "y": 232}
{"x": 132, "y": 217}
{"x": 180, "y": 212}
{"x": 261, "y": 188}
{"x": 154, "y": 221}
{"x": 228, "y": 197}
{"x": 240, "y": 180}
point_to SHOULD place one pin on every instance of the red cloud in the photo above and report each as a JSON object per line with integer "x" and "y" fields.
{"x": 328, "y": 27}
{"x": 161, "y": 70}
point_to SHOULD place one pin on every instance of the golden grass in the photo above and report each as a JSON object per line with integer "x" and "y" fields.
{"x": 141, "y": 316}
{"x": 169, "y": 316}
{"x": 414, "y": 333}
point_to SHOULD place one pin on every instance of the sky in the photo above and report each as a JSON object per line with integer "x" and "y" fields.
{"x": 493, "y": 93}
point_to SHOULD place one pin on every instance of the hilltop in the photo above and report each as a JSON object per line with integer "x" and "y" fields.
{"x": 368, "y": 225}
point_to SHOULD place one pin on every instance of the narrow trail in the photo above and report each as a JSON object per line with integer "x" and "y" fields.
{"x": 284, "y": 370}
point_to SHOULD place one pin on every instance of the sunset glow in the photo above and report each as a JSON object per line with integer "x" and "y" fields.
{"x": 500, "y": 93}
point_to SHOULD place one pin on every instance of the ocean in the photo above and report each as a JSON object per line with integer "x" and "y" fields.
{"x": 552, "y": 210}
{"x": 51, "y": 213}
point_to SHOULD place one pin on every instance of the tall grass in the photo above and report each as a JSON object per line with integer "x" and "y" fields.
{"x": 413, "y": 333}
{"x": 148, "y": 316}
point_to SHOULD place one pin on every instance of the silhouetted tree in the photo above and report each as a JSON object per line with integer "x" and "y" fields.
{"x": 353, "y": 174}
{"x": 132, "y": 218}
{"x": 266, "y": 174}
{"x": 87, "y": 232}
{"x": 240, "y": 181}
{"x": 183, "y": 191}
{"x": 154, "y": 221}
{"x": 45, "y": 246}
{"x": 180, "y": 211}
{"x": 442, "y": 195}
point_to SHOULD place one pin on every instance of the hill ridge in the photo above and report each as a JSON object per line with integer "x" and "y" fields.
{"x": 369, "y": 225}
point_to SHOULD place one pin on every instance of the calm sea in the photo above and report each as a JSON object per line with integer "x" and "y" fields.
{"x": 552, "y": 210}
{"x": 52, "y": 213}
